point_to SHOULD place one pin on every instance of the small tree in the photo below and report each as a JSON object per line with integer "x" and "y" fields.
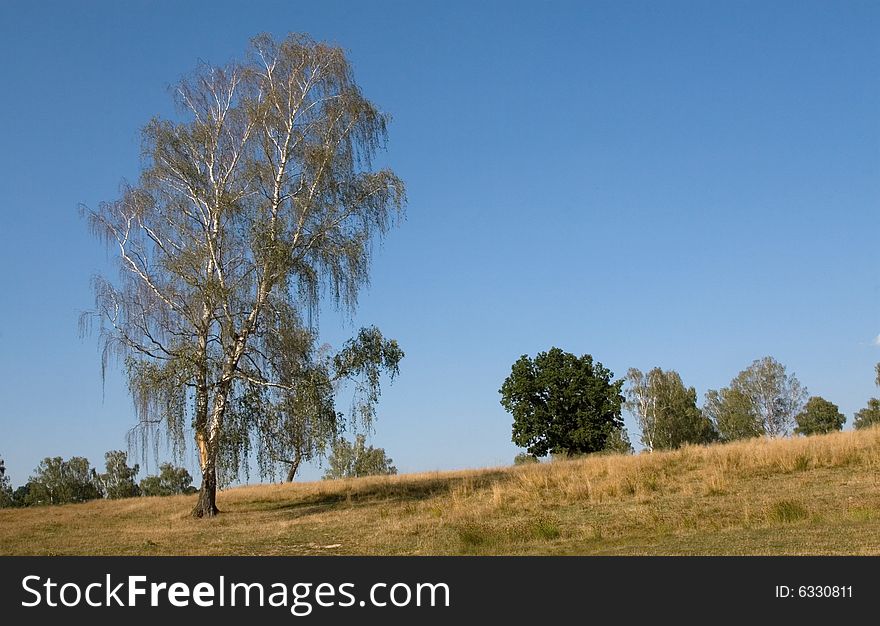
{"x": 666, "y": 410}
{"x": 304, "y": 425}
{"x": 5, "y": 487}
{"x": 869, "y": 416}
{"x": 762, "y": 400}
{"x": 351, "y": 460}
{"x": 56, "y": 481}
{"x": 118, "y": 480}
{"x": 819, "y": 416}
{"x": 171, "y": 481}
{"x": 561, "y": 403}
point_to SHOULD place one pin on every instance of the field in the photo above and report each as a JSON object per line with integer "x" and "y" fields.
{"x": 816, "y": 495}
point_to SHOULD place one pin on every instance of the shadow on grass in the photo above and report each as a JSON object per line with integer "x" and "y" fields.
{"x": 356, "y": 495}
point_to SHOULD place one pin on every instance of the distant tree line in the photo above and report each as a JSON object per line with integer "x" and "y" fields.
{"x": 56, "y": 481}
{"x": 564, "y": 405}
{"x": 59, "y": 481}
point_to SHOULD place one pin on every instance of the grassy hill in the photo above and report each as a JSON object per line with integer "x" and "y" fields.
{"x": 816, "y": 495}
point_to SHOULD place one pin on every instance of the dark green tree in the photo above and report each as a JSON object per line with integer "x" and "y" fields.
{"x": 869, "y": 416}
{"x": 5, "y": 487}
{"x": 819, "y": 416}
{"x": 562, "y": 404}
{"x": 666, "y": 410}
{"x": 170, "y": 481}
{"x": 20, "y": 495}
{"x": 253, "y": 206}
{"x": 352, "y": 460}
{"x": 118, "y": 480}
{"x": 56, "y": 481}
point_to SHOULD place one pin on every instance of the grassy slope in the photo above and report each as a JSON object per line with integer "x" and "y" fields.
{"x": 816, "y": 495}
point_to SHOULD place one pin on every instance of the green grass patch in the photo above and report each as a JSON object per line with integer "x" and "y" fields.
{"x": 787, "y": 511}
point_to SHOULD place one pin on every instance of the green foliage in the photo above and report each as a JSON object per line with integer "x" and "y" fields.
{"x": 5, "y": 487}
{"x": 819, "y": 416}
{"x": 618, "y": 442}
{"x": 561, "y": 403}
{"x": 762, "y": 400}
{"x": 524, "y": 458}
{"x": 56, "y": 481}
{"x": 351, "y": 460}
{"x": 732, "y": 414}
{"x": 118, "y": 480}
{"x": 301, "y": 424}
{"x": 20, "y": 495}
{"x": 869, "y": 416}
{"x": 171, "y": 481}
{"x": 666, "y": 410}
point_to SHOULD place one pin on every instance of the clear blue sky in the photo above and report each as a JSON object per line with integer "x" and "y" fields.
{"x": 690, "y": 185}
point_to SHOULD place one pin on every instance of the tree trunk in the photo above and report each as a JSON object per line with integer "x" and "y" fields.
{"x": 294, "y": 465}
{"x": 208, "y": 450}
{"x": 207, "y": 504}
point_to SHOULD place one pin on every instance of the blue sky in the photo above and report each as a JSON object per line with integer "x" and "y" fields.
{"x": 688, "y": 185}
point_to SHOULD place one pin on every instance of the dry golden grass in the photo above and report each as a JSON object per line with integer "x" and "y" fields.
{"x": 815, "y": 495}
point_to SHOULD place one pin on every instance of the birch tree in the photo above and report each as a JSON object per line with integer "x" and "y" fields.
{"x": 254, "y": 205}
{"x": 763, "y": 399}
{"x": 640, "y": 404}
{"x": 666, "y": 410}
{"x": 118, "y": 480}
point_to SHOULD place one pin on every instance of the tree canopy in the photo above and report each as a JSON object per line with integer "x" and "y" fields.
{"x": 6, "y": 498}
{"x": 354, "y": 459}
{"x": 253, "y": 206}
{"x": 561, "y": 403}
{"x": 761, "y": 400}
{"x": 666, "y": 410}
{"x": 869, "y": 416}
{"x": 170, "y": 481}
{"x": 56, "y": 481}
{"x": 118, "y": 479}
{"x": 819, "y": 416}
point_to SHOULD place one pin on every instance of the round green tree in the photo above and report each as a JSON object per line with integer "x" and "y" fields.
{"x": 819, "y": 416}
{"x": 561, "y": 403}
